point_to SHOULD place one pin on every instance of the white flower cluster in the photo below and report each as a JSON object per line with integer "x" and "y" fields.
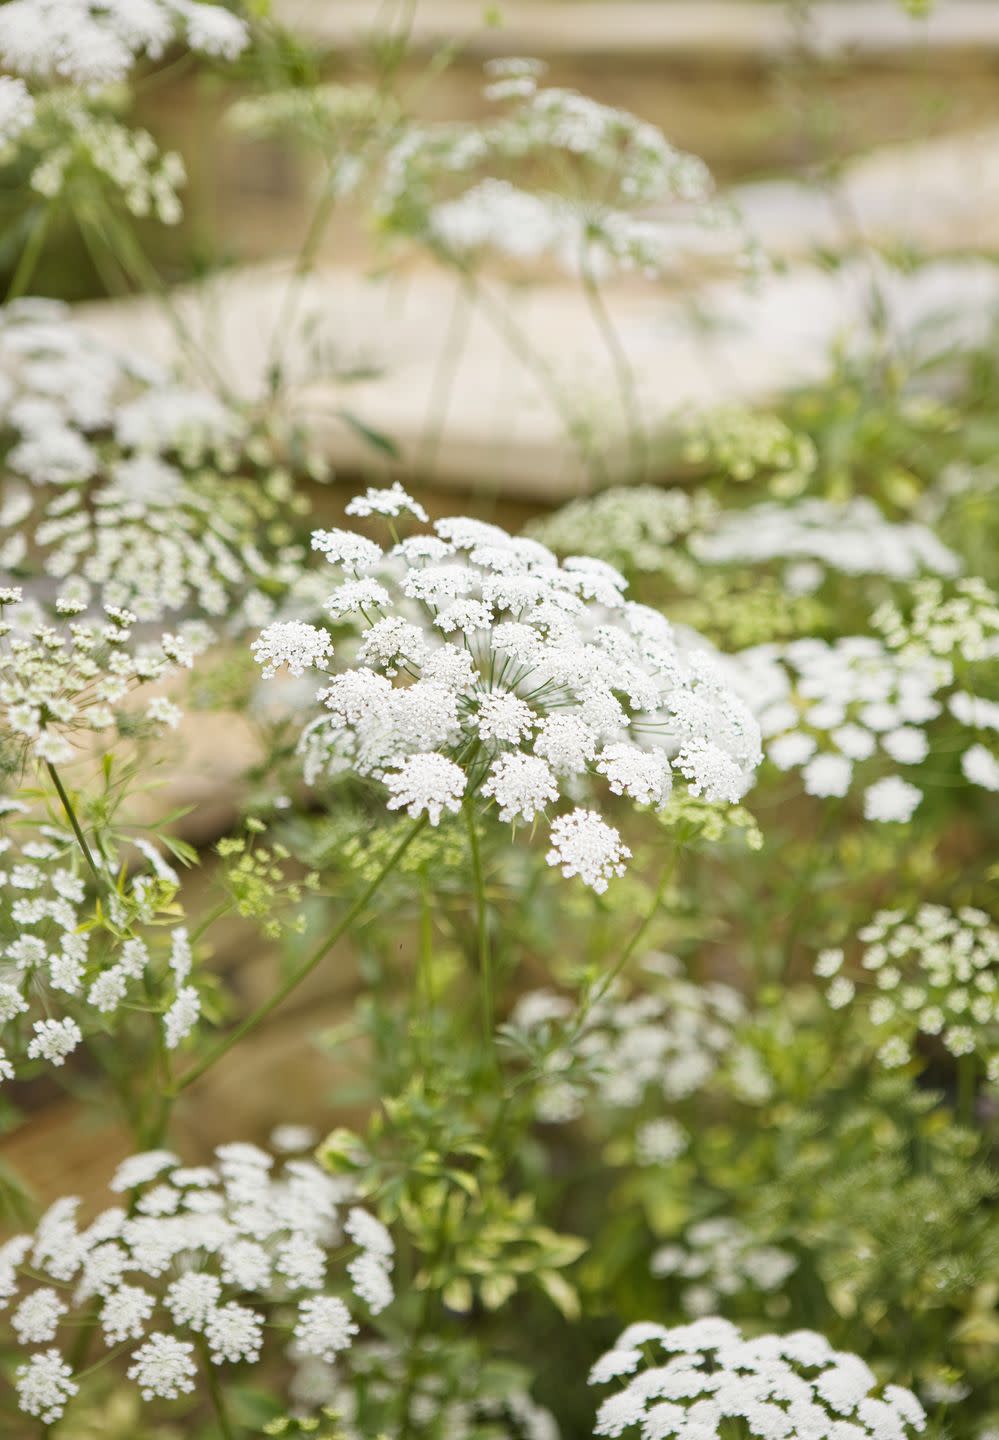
{"x": 957, "y": 622}
{"x": 61, "y": 680}
{"x": 959, "y": 625}
{"x": 826, "y": 707}
{"x": 640, "y": 529}
{"x": 664, "y": 1044}
{"x": 485, "y": 670}
{"x": 61, "y": 973}
{"x": 92, "y": 43}
{"x": 720, "y": 1258}
{"x": 204, "y": 1258}
{"x": 17, "y": 109}
{"x": 621, "y": 163}
{"x": 742, "y": 443}
{"x": 71, "y": 139}
{"x": 689, "y": 1380}
{"x": 119, "y": 481}
{"x": 936, "y": 972}
{"x": 816, "y": 536}
{"x": 425, "y": 1387}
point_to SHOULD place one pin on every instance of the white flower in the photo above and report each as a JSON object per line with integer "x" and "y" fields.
{"x": 393, "y": 501}
{"x": 93, "y": 45}
{"x": 980, "y": 767}
{"x": 344, "y": 547}
{"x": 124, "y": 1314}
{"x": 37, "y": 1317}
{"x": 907, "y": 745}
{"x": 192, "y": 1298}
{"x": 891, "y": 799}
{"x": 659, "y": 1141}
{"x": 293, "y": 643}
{"x": 711, "y": 772}
{"x": 695, "y": 1375}
{"x": 17, "y": 109}
{"x": 181, "y": 1016}
{"x": 371, "y": 1281}
{"x": 522, "y": 785}
{"x": 552, "y": 665}
{"x": 140, "y": 1169}
{"x": 369, "y": 1232}
{"x": 163, "y": 1367}
{"x": 644, "y": 775}
{"x": 853, "y": 538}
{"x": 54, "y": 1040}
{"x": 583, "y": 845}
{"x": 428, "y": 783}
{"x": 503, "y": 716}
{"x": 790, "y": 751}
{"x": 324, "y": 1327}
{"x": 233, "y": 1333}
{"x": 44, "y": 1384}
{"x": 826, "y": 775}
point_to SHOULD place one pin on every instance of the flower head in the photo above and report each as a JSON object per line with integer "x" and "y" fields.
{"x": 485, "y": 670}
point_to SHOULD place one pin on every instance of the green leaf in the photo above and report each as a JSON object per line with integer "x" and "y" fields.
{"x": 562, "y": 1295}
{"x": 375, "y": 438}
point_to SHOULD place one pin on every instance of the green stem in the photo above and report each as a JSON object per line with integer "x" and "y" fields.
{"x": 304, "y": 970}
{"x": 638, "y": 446}
{"x": 482, "y": 937}
{"x": 98, "y": 875}
{"x": 291, "y": 300}
{"x": 442, "y": 383}
{"x": 966, "y": 1089}
{"x": 600, "y": 991}
{"x": 30, "y": 255}
{"x": 576, "y": 427}
{"x": 216, "y": 1396}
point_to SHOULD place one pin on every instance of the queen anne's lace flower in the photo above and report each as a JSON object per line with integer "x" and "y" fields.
{"x": 718, "y": 1258}
{"x": 665, "y": 1042}
{"x": 891, "y": 799}
{"x": 853, "y": 538}
{"x": 935, "y": 972}
{"x": 92, "y": 44}
{"x": 67, "y": 964}
{"x": 17, "y": 109}
{"x": 109, "y": 493}
{"x": 426, "y": 784}
{"x": 212, "y": 1257}
{"x": 583, "y": 845}
{"x": 292, "y": 643}
{"x": 691, "y": 1379}
{"x": 556, "y": 684}
{"x": 621, "y": 161}
{"x": 827, "y": 708}
{"x": 637, "y": 528}
{"x": 954, "y": 622}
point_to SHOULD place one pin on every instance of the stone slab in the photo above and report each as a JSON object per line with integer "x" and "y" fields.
{"x": 713, "y": 30}
{"x": 497, "y": 427}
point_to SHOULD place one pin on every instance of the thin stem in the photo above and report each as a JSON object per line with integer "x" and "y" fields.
{"x": 638, "y": 445}
{"x": 576, "y": 428}
{"x": 966, "y": 1088}
{"x": 143, "y": 274}
{"x": 216, "y": 1396}
{"x": 426, "y": 985}
{"x": 98, "y": 875}
{"x": 304, "y": 970}
{"x": 443, "y": 382}
{"x": 600, "y": 991}
{"x": 482, "y": 936}
{"x": 292, "y": 297}
{"x": 30, "y": 255}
